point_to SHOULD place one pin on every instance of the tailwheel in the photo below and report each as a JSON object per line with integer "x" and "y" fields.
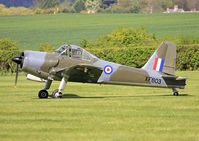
{"x": 57, "y": 94}
{"x": 43, "y": 94}
{"x": 175, "y": 93}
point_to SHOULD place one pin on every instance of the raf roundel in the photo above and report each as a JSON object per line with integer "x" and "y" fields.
{"x": 108, "y": 69}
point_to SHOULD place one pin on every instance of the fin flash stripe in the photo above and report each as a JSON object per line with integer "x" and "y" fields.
{"x": 158, "y": 65}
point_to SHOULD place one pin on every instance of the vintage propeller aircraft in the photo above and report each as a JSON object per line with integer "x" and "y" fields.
{"x": 73, "y": 63}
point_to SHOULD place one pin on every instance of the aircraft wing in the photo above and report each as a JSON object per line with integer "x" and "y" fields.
{"x": 81, "y": 73}
{"x": 83, "y": 66}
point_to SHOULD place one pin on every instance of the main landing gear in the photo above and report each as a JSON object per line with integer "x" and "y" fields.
{"x": 43, "y": 94}
{"x": 56, "y": 93}
{"x": 175, "y": 92}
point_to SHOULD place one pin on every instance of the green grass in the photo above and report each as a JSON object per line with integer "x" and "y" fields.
{"x": 72, "y": 28}
{"x": 99, "y": 112}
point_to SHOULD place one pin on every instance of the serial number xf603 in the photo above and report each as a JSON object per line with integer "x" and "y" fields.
{"x": 153, "y": 80}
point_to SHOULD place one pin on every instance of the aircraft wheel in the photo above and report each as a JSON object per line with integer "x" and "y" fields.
{"x": 43, "y": 94}
{"x": 175, "y": 93}
{"x": 57, "y": 94}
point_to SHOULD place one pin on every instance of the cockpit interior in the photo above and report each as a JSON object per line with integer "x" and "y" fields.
{"x": 75, "y": 52}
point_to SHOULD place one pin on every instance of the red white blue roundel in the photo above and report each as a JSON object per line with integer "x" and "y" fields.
{"x": 108, "y": 69}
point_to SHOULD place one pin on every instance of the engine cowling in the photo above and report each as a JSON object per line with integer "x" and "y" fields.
{"x": 39, "y": 63}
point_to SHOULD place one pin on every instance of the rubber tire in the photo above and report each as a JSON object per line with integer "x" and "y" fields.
{"x": 43, "y": 94}
{"x": 175, "y": 94}
{"x": 54, "y": 94}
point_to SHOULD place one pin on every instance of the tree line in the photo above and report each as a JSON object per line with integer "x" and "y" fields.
{"x": 117, "y": 6}
{"x": 103, "y": 6}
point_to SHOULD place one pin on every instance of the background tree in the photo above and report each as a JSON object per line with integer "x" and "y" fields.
{"x": 79, "y": 5}
{"x": 107, "y": 3}
{"x": 125, "y": 3}
{"x": 144, "y": 6}
{"x": 181, "y": 4}
{"x": 36, "y": 4}
{"x": 92, "y": 5}
{"x": 126, "y": 6}
{"x": 66, "y": 6}
{"x": 8, "y": 50}
{"x": 155, "y": 6}
{"x": 44, "y": 4}
{"x": 166, "y": 4}
{"x": 17, "y": 3}
{"x": 193, "y": 4}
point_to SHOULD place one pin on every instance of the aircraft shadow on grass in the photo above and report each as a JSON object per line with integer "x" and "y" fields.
{"x": 177, "y": 96}
{"x": 75, "y": 96}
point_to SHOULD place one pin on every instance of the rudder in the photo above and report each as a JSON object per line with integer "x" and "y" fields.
{"x": 163, "y": 59}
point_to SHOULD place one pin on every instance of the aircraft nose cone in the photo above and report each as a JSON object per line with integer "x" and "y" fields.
{"x": 17, "y": 60}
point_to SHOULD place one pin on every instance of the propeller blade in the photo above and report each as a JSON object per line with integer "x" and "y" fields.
{"x": 16, "y": 78}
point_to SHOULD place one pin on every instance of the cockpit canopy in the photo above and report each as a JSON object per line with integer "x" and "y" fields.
{"x": 75, "y": 52}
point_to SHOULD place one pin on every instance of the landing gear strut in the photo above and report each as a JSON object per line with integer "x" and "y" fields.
{"x": 175, "y": 92}
{"x": 57, "y": 93}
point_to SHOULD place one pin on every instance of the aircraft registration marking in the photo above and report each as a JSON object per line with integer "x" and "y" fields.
{"x": 153, "y": 80}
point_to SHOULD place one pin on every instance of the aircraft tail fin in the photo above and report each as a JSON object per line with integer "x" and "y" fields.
{"x": 163, "y": 59}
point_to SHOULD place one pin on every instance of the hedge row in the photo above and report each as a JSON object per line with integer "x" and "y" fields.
{"x": 123, "y": 37}
{"x": 134, "y": 46}
{"x": 8, "y": 50}
{"x": 187, "y": 56}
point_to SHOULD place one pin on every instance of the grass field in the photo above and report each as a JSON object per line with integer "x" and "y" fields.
{"x": 72, "y": 28}
{"x": 102, "y": 113}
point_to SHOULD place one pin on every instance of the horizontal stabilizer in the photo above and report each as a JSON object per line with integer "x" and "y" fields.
{"x": 175, "y": 77}
{"x": 182, "y": 78}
